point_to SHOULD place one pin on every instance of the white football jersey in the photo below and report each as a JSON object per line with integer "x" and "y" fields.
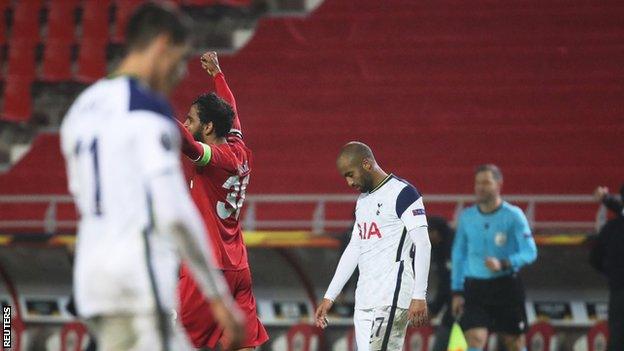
{"x": 383, "y": 218}
{"x": 116, "y": 136}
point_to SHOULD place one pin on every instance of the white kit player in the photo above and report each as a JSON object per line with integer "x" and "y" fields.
{"x": 122, "y": 151}
{"x": 390, "y": 247}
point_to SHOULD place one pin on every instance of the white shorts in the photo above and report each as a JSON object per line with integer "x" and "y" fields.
{"x": 137, "y": 333}
{"x": 372, "y": 332}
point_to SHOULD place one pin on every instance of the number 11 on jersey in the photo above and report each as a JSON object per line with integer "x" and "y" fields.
{"x": 94, "y": 165}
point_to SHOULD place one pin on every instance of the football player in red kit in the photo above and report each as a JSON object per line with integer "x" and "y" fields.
{"x": 212, "y": 139}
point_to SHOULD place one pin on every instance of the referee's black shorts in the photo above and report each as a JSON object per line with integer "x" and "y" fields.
{"x": 496, "y": 304}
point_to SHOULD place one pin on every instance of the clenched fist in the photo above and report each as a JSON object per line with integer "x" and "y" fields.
{"x": 210, "y": 63}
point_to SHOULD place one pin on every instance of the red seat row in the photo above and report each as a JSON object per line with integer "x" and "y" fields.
{"x": 59, "y": 39}
{"x": 549, "y": 114}
{"x": 540, "y": 337}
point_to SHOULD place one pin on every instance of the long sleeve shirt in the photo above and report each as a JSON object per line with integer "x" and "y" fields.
{"x": 504, "y": 234}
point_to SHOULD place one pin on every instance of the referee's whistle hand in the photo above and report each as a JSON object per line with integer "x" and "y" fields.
{"x": 457, "y": 305}
{"x": 493, "y": 264}
{"x": 321, "y": 313}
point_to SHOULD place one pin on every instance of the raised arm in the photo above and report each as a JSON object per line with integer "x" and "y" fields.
{"x": 202, "y": 154}
{"x": 210, "y": 63}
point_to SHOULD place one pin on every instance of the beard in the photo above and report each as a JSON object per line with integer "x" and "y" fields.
{"x": 486, "y": 198}
{"x": 197, "y": 136}
{"x": 367, "y": 184}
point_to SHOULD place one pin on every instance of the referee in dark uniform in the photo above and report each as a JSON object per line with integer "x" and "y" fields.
{"x": 492, "y": 242}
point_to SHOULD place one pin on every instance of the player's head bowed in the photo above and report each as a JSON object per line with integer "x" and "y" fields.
{"x": 157, "y": 44}
{"x": 357, "y": 164}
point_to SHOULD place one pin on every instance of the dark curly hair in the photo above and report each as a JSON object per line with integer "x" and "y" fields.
{"x": 212, "y": 108}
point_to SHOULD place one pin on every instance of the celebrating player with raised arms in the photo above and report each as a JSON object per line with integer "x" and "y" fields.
{"x": 213, "y": 141}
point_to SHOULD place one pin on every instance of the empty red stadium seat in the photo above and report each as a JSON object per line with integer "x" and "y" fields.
{"x": 40, "y": 171}
{"x": 125, "y": 8}
{"x": 17, "y": 333}
{"x": 61, "y": 25}
{"x": 56, "y": 66}
{"x": 4, "y": 5}
{"x": 43, "y": 162}
{"x": 304, "y": 337}
{"x": 17, "y": 101}
{"x": 21, "y": 61}
{"x": 72, "y": 336}
{"x": 351, "y": 345}
{"x": 95, "y": 25}
{"x": 26, "y": 21}
{"x": 418, "y": 339}
{"x": 598, "y": 337}
{"x": 91, "y": 61}
{"x": 541, "y": 337}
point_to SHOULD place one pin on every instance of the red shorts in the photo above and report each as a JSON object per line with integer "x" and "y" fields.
{"x": 197, "y": 318}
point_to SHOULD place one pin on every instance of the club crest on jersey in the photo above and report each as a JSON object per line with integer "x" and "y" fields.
{"x": 366, "y": 230}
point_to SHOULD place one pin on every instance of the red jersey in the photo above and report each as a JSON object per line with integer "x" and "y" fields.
{"x": 218, "y": 182}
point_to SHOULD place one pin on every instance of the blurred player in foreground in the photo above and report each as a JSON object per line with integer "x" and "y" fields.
{"x": 390, "y": 246}
{"x": 212, "y": 139}
{"x": 492, "y": 242}
{"x": 122, "y": 151}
